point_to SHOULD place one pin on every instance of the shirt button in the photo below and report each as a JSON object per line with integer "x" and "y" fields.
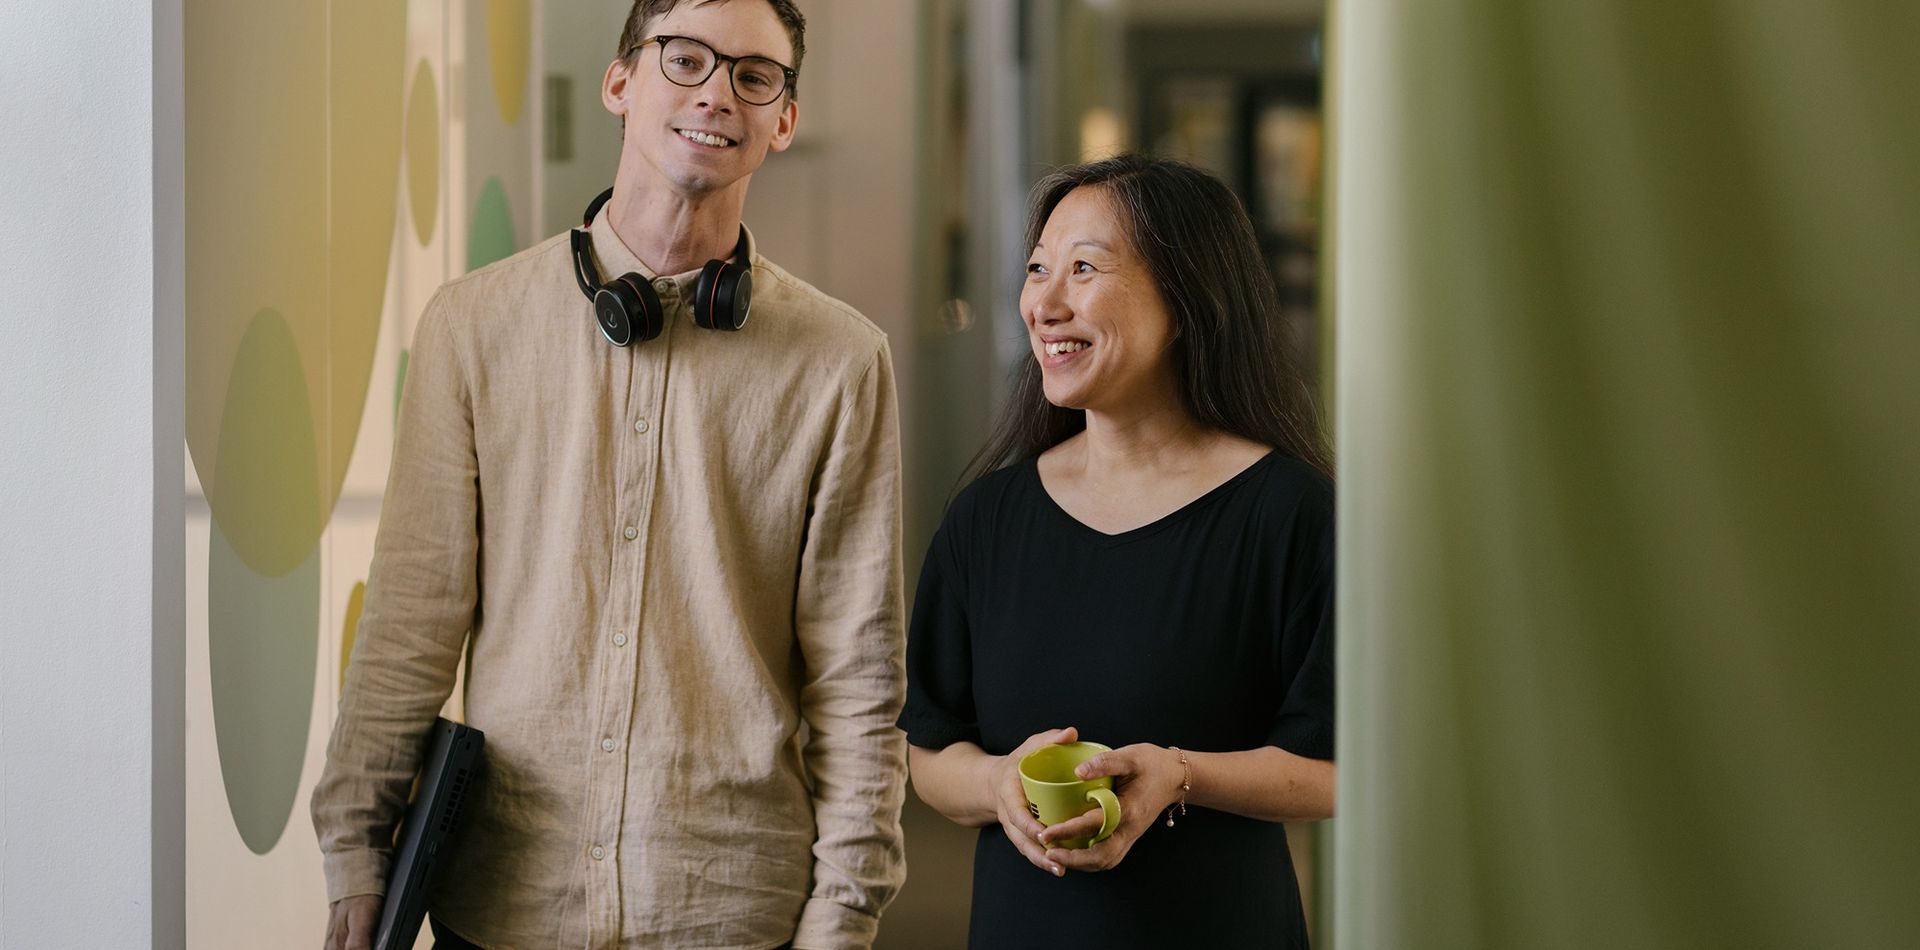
{"x": 598, "y": 853}
{"x": 619, "y": 639}
{"x": 632, "y": 532}
{"x": 606, "y": 745}
{"x": 640, "y": 425}
{"x": 663, "y": 285}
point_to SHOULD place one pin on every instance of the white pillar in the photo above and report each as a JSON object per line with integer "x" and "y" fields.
{"x": 90, "y": 511}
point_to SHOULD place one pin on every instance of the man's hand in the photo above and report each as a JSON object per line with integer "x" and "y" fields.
{"x": 350, "y": 922}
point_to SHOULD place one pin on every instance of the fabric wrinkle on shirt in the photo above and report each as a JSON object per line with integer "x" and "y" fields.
{"x": 680, "y": 564}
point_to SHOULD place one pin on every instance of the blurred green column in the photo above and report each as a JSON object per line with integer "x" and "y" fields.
{"x": 1629, "y": 395}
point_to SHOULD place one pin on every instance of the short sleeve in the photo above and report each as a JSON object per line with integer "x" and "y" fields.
{"x": 1304, "y": 725}
{"x": 939, "y": 710}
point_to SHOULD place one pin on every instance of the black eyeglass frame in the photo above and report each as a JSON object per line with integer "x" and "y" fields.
{"x": 663, "y": 39}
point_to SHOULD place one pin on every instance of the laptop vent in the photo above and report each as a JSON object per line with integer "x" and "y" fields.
{"x": 455, "y": 791}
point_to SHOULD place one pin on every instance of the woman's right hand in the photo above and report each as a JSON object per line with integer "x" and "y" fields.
{"x": 1010, "y": 800}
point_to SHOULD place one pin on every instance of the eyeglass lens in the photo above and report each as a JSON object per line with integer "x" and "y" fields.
{"x": 689, "y": 62}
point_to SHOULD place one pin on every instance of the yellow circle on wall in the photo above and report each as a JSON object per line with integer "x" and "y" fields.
{"x": 351, "y": 625}
{"x": 423, "y": 152}
{"x": 510, "y": 44}
{"x": 293, "y": 146}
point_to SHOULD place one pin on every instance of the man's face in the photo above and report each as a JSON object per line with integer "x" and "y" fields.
{"x": 659, "y": 114}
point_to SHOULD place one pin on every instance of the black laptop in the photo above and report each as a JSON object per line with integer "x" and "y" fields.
{"x": 446, "y": 773}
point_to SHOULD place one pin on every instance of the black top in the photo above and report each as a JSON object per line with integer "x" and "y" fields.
{"x": 1210, "y": 629}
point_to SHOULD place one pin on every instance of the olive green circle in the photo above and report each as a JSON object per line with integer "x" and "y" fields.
{"x": 267, "y": 495}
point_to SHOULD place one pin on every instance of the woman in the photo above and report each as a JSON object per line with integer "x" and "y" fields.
{"x": 1147, "y": 562}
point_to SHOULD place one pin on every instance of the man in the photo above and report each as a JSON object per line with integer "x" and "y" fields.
{"x": 679, "y": 562}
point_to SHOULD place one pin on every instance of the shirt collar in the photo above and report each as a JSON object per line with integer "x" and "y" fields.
{"x": 614, "y": 258}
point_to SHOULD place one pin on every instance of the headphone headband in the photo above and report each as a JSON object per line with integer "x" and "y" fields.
{"x": 584, "y": 271}
{"x": 593, "y": 208}
{"x": 627, "y": 307}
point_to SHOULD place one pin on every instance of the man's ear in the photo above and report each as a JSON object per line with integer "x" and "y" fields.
{"x": 783, "y": 130}
{"x": 613, "y": 87}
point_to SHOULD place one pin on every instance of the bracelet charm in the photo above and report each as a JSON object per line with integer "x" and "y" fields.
{"x": 1185, "y": 786}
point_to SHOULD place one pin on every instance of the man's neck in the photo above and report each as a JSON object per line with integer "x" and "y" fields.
{"x": 672, "y": 232}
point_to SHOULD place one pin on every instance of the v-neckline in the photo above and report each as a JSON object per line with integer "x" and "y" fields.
{"x": 1177, "y": 514}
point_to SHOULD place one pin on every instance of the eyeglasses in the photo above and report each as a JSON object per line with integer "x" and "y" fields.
{"x": 686, "y": 61}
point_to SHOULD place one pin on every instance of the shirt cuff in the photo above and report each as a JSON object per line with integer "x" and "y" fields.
{"x": 825, "y": 925}
{"x": 356, "y": 872}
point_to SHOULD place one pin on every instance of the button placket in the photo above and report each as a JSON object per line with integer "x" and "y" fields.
{"x": 638, "y": 469}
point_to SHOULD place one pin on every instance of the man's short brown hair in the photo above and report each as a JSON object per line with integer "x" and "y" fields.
{"x": 645, "y": 11}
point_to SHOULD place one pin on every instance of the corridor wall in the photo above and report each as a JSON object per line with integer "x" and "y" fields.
{"x": 1630, "y": 549}
{"x": 343, "y": 159}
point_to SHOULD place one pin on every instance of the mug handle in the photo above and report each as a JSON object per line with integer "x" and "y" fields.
{"x": 1109, "y": 812}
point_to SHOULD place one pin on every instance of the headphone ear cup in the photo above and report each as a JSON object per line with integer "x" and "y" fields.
{"x": 723, "y": 296}
{"x": 703, "y": 293}
{"x": 628, "y": 310}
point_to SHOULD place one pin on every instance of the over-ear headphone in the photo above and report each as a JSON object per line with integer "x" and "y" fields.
{"x": 628, "y": 309}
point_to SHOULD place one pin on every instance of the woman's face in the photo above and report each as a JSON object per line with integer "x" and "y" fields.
{"x": 1094, "y": 316}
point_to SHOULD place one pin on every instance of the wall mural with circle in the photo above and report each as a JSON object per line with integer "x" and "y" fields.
{"x": 423, "y": 152}
{"x": 331, "y": 188}
{"x": 491, "y": 237}
{"x": 509, "y": 37}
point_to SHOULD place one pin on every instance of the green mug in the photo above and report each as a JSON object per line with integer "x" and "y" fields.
{"x": 1055, "y": 794}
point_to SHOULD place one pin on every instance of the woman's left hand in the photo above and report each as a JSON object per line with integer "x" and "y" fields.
{"x": 1146, "y": 778}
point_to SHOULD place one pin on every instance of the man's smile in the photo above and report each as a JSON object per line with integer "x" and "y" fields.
{"x": 709, "y": 139}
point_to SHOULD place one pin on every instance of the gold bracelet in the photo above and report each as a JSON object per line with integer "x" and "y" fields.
{"x": 1185, "y": 787}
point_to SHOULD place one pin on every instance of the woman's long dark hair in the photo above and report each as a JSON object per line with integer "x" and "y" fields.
{"x": 1237, "y": 369}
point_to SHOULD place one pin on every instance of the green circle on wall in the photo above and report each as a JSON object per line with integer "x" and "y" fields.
{"x": 423, "y": 152}
{"x": 492, "y": 236}
{"x": 262, "y": 644}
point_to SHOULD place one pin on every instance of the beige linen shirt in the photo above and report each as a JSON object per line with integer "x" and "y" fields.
{"x": 680, "y": 566}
